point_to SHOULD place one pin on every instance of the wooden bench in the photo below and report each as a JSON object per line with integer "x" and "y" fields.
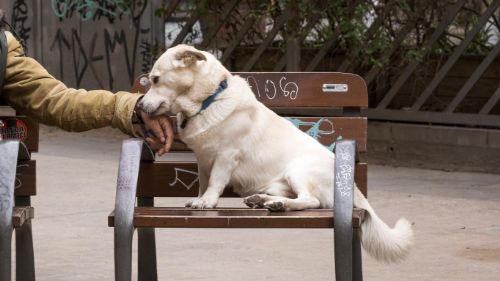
{"x": 324, "y": 105}
{"x": 19, "y": 137}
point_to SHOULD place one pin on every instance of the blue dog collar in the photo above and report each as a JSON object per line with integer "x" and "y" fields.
{"x": 208, "y": 101}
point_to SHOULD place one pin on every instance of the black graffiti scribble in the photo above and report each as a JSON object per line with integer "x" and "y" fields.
{"x": 146, "y": 51}
{"x": 62, "y": 43}
{"x": 78, "y": 54}
{"x": 20, "y": 19}
{"x": 80, "y": 61}
{"x": 70, "y": 48}
{"x": 96, "y": 10}
{"x": 111, "y": 43}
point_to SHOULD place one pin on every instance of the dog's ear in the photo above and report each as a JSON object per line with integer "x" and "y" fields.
{"x": 188, "y": 57}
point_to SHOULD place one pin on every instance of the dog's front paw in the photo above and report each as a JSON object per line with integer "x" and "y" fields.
{"x": 255, "y": 201}
{"x": 190, "y": 202}
{"x": 275, "y": 206}
{"x": 202, "y": 203}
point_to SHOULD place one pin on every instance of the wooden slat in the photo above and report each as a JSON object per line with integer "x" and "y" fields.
{"x": 234, "y": 218}
{"x": 324, "y": 129}
{"x": 297, "y": 89}
{"x": 332, "y": 128}
{"x": 21, "y": 214}
{"x": 488, "y": 106}
{"x": 304, "y": 89}
{"x": 21, "y": 128}
{"x": 25, "y": 178}
{"x": 171, "y": 179}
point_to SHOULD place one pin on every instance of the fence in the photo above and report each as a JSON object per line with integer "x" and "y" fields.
{"x": 423, "y": 61}
{"x": 422, "y": 71}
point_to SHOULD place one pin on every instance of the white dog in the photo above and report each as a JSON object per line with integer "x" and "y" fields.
{"x": 240, "y": 142}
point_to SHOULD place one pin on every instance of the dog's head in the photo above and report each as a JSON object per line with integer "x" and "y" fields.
{"x": 181, "y": 79}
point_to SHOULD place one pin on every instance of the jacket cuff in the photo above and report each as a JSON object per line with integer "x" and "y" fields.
{"x": 124, "y": 108}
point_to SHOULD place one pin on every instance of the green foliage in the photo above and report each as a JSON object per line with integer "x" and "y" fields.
{"x": 371, "y": 33}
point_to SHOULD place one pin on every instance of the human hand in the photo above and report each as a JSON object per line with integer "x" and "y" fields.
{"x": 159, "y": 133}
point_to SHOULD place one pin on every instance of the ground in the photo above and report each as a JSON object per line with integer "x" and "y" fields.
{"x": 456, "y": 218}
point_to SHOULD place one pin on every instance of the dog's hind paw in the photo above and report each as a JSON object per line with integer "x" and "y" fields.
{"x": 255, "y": 201}
{"x": 275, "y": 206}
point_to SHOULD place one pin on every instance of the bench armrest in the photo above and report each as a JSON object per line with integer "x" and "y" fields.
{"x": 345, "y": 158}
{"x": 9, "y": 151}
{"x": 128, "y": 174}
{"x": 132, "y": 152}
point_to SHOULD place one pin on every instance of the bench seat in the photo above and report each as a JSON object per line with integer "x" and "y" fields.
{"x": 22, "y": 214}
{"x": 164, "y": 217}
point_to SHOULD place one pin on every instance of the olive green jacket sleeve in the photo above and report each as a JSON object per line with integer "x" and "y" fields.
{"x": 32, "y": 91}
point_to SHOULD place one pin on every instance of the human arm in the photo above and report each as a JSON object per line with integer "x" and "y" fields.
{"x": 32, "y": 91}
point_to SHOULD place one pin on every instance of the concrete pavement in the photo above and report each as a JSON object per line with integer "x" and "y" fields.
{"x": 456, "y": 218}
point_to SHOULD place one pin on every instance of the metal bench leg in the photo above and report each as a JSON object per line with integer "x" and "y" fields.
{"x": 147, "y": 248}
{"x": 343, "y": 254}
{"x": 147, "y": 255}
{"x": 25, "y": 261}
{"x": 5, "y": 253}
{"x": 356, "y": 257}
{"x": 345, "y": 156}
{"x": 8, "y": 164}
{"x": 123, "y": 253}
{"x": 128, "y": 173}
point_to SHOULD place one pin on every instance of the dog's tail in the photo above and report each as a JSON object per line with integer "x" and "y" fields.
{"x": 378, "y": 239}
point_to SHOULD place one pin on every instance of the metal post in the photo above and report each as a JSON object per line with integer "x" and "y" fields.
{"x": 345, "y": 156}
{"x": 25, "y": 259}
{"x": 147, "y": 270}
{"x": 8, "y": 163}
{"x": 357, "y": 265}
{"x": 128, "y": 173}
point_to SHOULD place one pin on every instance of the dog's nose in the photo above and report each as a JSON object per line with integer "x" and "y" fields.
{"x": 140, "y": 104}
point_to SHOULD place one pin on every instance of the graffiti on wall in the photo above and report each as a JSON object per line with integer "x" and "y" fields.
{"x": 110, "y": 45}
{"x": 98, "y": 9}
{"x": 20, "y": 20}
{"x": 92, "y": 44}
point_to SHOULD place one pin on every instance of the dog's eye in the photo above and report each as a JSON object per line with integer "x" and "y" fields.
{"x": 155, "y": 79}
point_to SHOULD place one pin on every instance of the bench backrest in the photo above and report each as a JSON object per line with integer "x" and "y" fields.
{"x": 13, "y": 126}
{"x": 327, "y": 106}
